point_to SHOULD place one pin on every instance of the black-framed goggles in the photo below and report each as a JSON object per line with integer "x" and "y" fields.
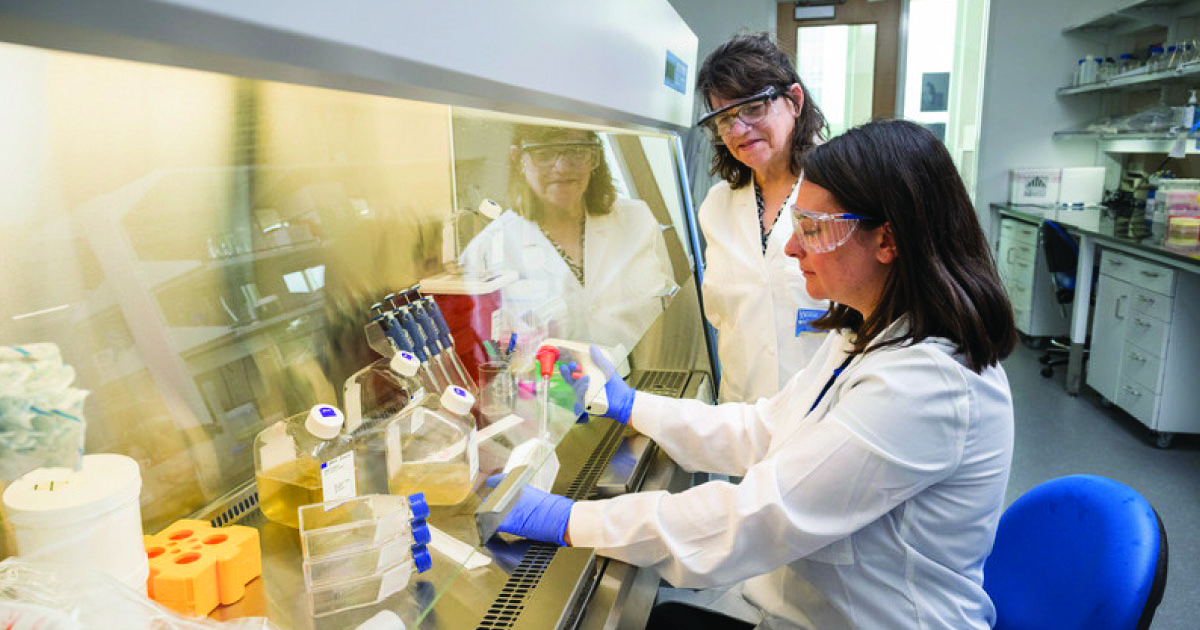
{"x": 750, "y": 110}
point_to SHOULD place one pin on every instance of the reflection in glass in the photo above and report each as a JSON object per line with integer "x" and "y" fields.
{"x": 590, "y": 265}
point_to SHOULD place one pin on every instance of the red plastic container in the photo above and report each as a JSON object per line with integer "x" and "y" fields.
{"x": 469, "y": 304}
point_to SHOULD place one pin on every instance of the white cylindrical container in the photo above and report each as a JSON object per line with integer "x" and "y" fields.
{"x": 90, "y": 517}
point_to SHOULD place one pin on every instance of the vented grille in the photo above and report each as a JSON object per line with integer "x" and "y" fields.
{"x": 583, "y": 484}
{"x": 230, "y": 508}
{"x": 511, "y": 600}
{"x": 663, "y": 382}
{"x": 507, "y": 608}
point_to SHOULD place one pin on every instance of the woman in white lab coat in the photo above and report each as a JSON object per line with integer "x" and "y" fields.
{"x": 874, "y": 480}
{"x": 594, "y": 264}
{"x": 762, "y": 121}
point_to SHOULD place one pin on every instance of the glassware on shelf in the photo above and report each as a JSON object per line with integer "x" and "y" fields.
{"x": 1155, "y": 61}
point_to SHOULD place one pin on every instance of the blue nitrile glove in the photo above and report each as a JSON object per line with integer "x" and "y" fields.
{"x": 537, "y": 515}
{"x": 618, "y": 393}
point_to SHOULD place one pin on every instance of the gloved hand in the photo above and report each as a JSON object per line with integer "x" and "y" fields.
{"x": 618, "y": 393}
{"x": 537, "y": 515}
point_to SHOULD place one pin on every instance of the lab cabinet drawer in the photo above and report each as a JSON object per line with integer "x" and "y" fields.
{"x": 1149, "y": 334}
{"x": 1018, "y": 231}
{"x": 1022, "y": 318}
{"x": 1143, "y": 368}
{"x": 1155, "y": 305}
{"x": 1138, "y": 272}
{"x": 1019, "y": 252}
{"x": 1141, "y": 403}
{"x": 1021, "y": 296}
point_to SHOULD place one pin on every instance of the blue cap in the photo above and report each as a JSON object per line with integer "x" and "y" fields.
{"x": 421, "y": 559}
{"x": 420, "y": 509}
{"x": 420, "y": 533}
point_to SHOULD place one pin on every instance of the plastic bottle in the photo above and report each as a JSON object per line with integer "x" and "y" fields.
{"x": 303, "y": 460}
{"x": 372, "y": 397}
{"x": 1188, "y": 118}
{"x": 1077, "y": 73}
{"x": 432, "y": 448}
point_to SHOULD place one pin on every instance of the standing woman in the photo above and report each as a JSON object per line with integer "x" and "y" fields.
{"x": 761, "y": 122}
{"x": 874, "y": 480}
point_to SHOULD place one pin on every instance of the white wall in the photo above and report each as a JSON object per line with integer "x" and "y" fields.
{"x": 713, "y": 22}
{"x": 1028, "y": 58}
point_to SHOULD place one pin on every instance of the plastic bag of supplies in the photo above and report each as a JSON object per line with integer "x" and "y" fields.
{"x": 57, "y": 597}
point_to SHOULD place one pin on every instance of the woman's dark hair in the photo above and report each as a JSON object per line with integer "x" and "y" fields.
{"x": 744, "y": 66}
{"x": 943, "y": 279}
{"x": 597, "y": 199}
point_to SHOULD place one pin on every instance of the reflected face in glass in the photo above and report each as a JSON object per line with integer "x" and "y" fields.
{"x": 767, "y": 141}
{"x": 559, "y": 172}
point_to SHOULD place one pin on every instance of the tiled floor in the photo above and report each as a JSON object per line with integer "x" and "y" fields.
{"x": 1057, "y": 435}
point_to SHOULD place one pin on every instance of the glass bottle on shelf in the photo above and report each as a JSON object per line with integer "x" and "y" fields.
{"x": 1154, "y": 62}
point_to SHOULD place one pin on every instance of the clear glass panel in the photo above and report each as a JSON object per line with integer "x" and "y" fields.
{"x": 837, "y": 64}
{"x": 205, "y": 251}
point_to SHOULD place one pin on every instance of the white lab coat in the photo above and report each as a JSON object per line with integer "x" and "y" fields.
{"x": 874, "y": 511}
{"x": 627, "y": 272}
{"x": 751, "y": 299}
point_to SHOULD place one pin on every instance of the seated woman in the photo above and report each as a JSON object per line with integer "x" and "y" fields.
{"x": 874, "y": 480}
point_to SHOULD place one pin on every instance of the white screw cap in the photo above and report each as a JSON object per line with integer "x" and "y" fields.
{"x": 324, "y": 421}
{"x": 457, "y": 400}
{"x": 405, "y": 364}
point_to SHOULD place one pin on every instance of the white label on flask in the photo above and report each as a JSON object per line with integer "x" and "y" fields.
{"x": 337, "y": 480}
{"x": 392, "y": 581}
{"x": 473, "y": 454}
{"x": 394, "y": 456}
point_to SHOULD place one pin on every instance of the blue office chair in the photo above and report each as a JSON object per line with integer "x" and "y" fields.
{"x": 1077, "y": 553}
{"x": 1062, "y": 255}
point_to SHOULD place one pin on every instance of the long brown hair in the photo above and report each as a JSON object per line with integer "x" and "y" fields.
{"x": 943, "y": 279}
{"x": 743, "y": 66}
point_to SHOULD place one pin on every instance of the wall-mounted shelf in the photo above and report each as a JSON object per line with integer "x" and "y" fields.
{"x": 1130, "y": 142}
{"x": 1185, "y": 73}
{"x": 1134, "y": 16}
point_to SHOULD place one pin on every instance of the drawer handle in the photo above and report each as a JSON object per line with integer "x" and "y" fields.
{"x": 1132, "y": 392}
{"x": 1133, "y": 356}
{"x": 1145, "y": 300}
{"x": 1115, "y": 262}
{"x": 1140, "y": 322}
{"x": 1151, "y": 274}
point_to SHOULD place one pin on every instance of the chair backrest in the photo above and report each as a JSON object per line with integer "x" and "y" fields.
{"x": 1062, "y": 255}
{"x": 1081, "y": 552}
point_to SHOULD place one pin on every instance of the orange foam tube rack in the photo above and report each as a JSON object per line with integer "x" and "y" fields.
{"x": 194, "y": 566}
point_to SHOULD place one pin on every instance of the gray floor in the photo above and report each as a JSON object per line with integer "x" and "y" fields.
{"x": 1058, "y": 435}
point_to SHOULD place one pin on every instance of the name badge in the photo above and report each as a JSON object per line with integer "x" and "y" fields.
{"x": 804, "y": 319}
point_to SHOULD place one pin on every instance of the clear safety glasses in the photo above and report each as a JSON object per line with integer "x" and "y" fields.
{"x": 571, "y": 154}
{"x": 751, "y": 111}
{"x": 820, "y": 233}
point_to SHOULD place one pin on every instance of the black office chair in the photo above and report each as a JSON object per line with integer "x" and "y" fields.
{"x": 1062, "y": 256}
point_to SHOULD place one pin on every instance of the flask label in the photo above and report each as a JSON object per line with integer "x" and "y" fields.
{"x": 337, "y": 480}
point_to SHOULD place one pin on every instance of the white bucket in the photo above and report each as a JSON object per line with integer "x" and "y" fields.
{"x": 89, "y": 518}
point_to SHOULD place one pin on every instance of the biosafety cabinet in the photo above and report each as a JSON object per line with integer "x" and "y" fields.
{"x": 211, "y": 208}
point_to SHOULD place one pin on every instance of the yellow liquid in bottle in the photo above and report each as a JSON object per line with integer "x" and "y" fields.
{"x": 443, "y": 483}
{"x": 282, "y": 490}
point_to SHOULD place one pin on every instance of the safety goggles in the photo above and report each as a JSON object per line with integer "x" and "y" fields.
{"x": 820, "y": 233}
{"x": 750, "y": 110}
{"x": 569, "y": 154}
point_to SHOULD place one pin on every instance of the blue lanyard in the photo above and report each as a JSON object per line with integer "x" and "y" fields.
{"x": 829, "y": 383}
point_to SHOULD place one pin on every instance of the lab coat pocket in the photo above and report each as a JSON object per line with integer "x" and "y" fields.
{"x": 837, "y": 552}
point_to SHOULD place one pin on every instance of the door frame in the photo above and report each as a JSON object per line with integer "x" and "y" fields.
{"x": 887, "y": 18}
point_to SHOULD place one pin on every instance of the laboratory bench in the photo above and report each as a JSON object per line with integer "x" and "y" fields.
{"x": 503, "y": 583}
{"x": 1144, "y": 335}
